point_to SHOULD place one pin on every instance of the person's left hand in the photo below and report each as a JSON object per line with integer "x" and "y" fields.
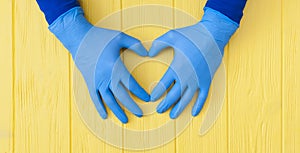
{"x": 198, "y": 54}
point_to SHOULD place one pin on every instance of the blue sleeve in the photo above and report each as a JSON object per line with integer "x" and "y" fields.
{"x": 231, "y": 8}
{"x": 54, "y": 8}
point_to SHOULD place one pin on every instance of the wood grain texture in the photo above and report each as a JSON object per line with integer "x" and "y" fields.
{"x": 291, "y": 75}
{"x": 41, "y": 84}
{"x": 254, "y": 80}
{"x": 6, "y": 77}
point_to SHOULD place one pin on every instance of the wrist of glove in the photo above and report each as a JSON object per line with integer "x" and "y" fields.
{"x": 220, "y": 26}
{"x": 70, "y": 28}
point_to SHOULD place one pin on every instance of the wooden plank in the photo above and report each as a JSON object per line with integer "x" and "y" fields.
{"x": 83, "y": 139}
{"x": 216, "y": 138}
{"x": 254, "y": 80}
{"x": 6, "y": 78}
{"x": 41, "y": 84}
{"x": 149, "y": 72}
{"x": 291, "y": 76}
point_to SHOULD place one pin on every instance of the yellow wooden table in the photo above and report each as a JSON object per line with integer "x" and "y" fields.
{"x": 262, "y": 108}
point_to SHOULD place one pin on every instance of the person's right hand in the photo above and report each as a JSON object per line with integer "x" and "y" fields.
{"x": 96, "y": 53}
{"x": 198, "y": 53}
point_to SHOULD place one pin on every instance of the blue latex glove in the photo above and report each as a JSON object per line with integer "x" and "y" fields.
{"x": 96, "y": 52}
{"x": 198, "y": 54}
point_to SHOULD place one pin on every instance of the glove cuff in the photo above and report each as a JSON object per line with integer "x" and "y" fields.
{"x": 70, "y": 28}
{"x": 220, "y": 26}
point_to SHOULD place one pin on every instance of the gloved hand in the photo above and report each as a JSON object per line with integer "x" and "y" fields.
{"x": 96, "y": 52}
{"x": 198, "y": 54}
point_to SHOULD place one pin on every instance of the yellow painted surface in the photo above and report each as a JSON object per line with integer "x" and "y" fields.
{"x": 262, "y": 103}
{"x": 6, "y": 81}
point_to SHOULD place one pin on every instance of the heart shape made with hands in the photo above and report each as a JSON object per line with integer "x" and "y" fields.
{"x": 147, "y": 71}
